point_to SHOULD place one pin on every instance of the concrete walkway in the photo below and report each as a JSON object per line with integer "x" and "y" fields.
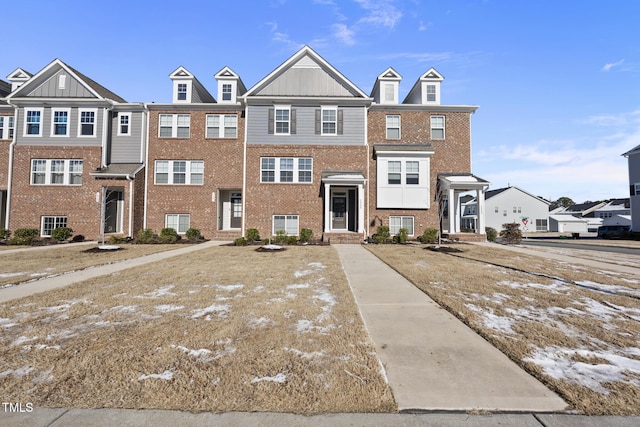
{"x": 433, "y": 360}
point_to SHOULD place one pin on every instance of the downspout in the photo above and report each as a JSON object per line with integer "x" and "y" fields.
{"x": 244, "y": 170}
{"x": 130, "y": 179}
{"x": 368, "y": 195}
{"x": 146, "y": 167}
{"x": 10, "y": 175}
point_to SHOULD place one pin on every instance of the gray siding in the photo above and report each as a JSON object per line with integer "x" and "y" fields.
{"x": 49, "y": 89}
{"x": 353, "y": 127}
{"x": 48, "y": 140}
{"x": 634, "y": 168}
{"x": 127, "y": 149}
{"x": 306, "y": 82}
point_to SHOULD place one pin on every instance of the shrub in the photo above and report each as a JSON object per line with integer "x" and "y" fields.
{"x": 145, "y": 236}
{"x": 78, "y": 238}
{"x": 240, "y": 241}
{"x": 168, "y": 235}
{"x": 116, "y": 239}
{"x": 291, "y": 240}
{"x": 4, "y": 233}
{"x": 492, "y": 234}
{"x": 511, "y": 233}
{"x": 402, "y": 236}
{"x": 24, "y": 236}
{"x": 382, "y": 236}
{"x": 280, "y": 237}
{"x": 430, "y": 235}
{"x": 305, "y": 235}
{"x": 252, "y": 235}
{"x": 61, "y": 233}
{"x": 193, "y": 234}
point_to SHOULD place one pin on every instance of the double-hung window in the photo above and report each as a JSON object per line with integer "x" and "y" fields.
{"x": 6, "y": 127}
{"x": 393, "y": 126}
{"x": 431, "y": 93}
{"x": 394, "y": 168}
{"x": 179, "y": 172}
{"x": 286, "y": 223}
{"x": 226, "y": 91}
{"x": 179, "y": 222}
{"x": 402, "y": 179}
{"x": 329, "y": 121}
{"x": 60, "y": 123}
{"x": 182, "y": 91}
{"x": 56, "y": 172}
{"x": 222, "y": 126}
{"x": 282, "y": 117}
{"x": 412, "y": 172}
{"x": 398, "y": 222}
{"x": 286, "y": 169}
{"x": 174, "y": 125}
{"x": 50, "y": 223}
{"x": 33, "y": 122}
{"x": 437, "y": 127}
{"x": 124, "y": 124}
{"x": 87, "y": 125}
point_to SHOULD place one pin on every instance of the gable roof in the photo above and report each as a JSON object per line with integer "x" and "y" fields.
{"x": 634, "y": 150}
{"x": 430, "y": 75}
{"x": 295, "y": 77}
{"x": 228, "y": 73}
{"x": 94, "y": 88}
{"x": 199, "y": 93}
{"x": 5, "y": 88}
{"x": 387, "y": 75}
{"x": 491, "y": 193}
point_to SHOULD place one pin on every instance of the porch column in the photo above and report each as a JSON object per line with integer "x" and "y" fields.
{"x": 327, "y": 204}
{"x": 458, "y": 212}
{"x": 452, "y": 210}
{"x": 480, "y": 229}
{"x": 360, "y": 208}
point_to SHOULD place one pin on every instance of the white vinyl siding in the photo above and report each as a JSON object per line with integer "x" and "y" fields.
{"x": 56, "y": 172}
{"x": 286, "y": 223}
{"x": 398, "y": 222}
{"x": 286, "y": 169}
{"x": 50, "y": 223}
{"x": 179, "y": 222}
{"x": 174, "y": 125}
{"x": 179, "y": 172}
{"x": 403, "y": 181}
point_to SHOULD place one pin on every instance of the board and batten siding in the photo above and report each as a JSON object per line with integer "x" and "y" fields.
{"x": 45, "y": 137}
{"x": 127, "y": 148}
{"x": 352, "y": 128}
{"x": 51, "y": 88}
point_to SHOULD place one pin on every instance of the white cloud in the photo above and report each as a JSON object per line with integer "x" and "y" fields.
{"x": 343, "y": 33}
{"x": 609, "y": 66}
{"x": 380, "y": 12}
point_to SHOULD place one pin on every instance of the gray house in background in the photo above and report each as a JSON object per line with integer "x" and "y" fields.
{"x": 633, "y": 157}
{"x": 508, "y": 205}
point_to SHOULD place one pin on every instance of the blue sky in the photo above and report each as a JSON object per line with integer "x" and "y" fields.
{"x": 557, "y": 82}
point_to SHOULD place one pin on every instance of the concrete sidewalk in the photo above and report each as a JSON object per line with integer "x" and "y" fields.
{"x": 43, "y": 285}
{"x": 433, "y": 360}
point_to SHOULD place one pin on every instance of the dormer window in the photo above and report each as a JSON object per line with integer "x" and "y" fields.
{"x": 226, "y": 92}
{"x": 182, "y": 92}
{"x": 389, "y": 92}
{"x": 431, "y": 93}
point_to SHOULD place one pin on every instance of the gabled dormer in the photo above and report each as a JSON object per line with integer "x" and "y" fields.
{"x": 426, "y": 91}
{"x": 230, "y": 86}
{"x": 385, "y": 90}
{"x": 187, "y": 89}
{"x": 18, "y": 77}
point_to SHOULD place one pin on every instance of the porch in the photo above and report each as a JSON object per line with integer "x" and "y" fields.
{"x": 343, "y": 203}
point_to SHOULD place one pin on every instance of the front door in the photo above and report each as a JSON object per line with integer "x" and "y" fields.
{"x": 339, "y": 212}
{"x": 236, "y": 210}
{"x": 113, "y": 204}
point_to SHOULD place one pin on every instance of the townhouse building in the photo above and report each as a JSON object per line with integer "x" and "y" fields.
{"x": 302, "y": 148}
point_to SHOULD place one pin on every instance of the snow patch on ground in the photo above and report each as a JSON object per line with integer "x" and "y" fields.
{"x": 166, "y": 375}
{"x": 220, "y": 309}
{"x": 306, "y": 355}
{"x": 165, "y": 308}
{"x": 491, "y": 320}
{"x": 260, "y": 322}
{"x": 279, "y": 378}
{"x": 158, "y": 293}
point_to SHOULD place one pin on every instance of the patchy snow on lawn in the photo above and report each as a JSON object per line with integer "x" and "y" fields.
{"x": 305, "y": 355}
{"x": 314, "y": 267}
{"x": 166, "y": 308}
{"x": 613, "y": 289}
{"x": 158, "y": 293}
{"x": 166, "y": 375}
{"x": 492, "y": 321}
{"x": 220, "y": 309}
{"x": 260, "y": 322}
{"x": 556, "y": 287}
{"x": 279, "y": 378}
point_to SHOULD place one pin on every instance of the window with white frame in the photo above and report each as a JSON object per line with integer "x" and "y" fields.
{"x": 403, "y": 171}
{"x": 402, "y": 180}
{"x": 87, "y": 125}
{"x": 179, "y": 172}
{"x": 124, "y": 124}
{"x": 56, "y": 172}
{"x": 394, "y": 169}
{"x": 431, "y": 93}
{"x": 222, "y": 126}
{"x": 437, "y": 127}
{"x": 179, "y": 222}
{"x": 60, "y": 122}
{"x": 226, "y": 91}
{"x": 282, "y": 118}
{"x": 32, "y": 123}
{"x": 182, "y": 91}
{"x": 541, "y": 225}
{"x": 174, "y": 125}
{"x": 398, "y": 222}
{"x": 286, "y": 223}
{"x": 50, "y": 223}
{"x": 329, "y": 121}
{"x": 6, "y": 127}
{"x": 286, "y": 169}
{"x": 389, "y": 92}
{"x": 393, "y": 126}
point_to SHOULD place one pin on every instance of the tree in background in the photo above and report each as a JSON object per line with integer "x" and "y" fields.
{"x": 564, "y": 202}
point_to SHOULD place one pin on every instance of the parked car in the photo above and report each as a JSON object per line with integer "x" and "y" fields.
{"x": 613, "y": 231}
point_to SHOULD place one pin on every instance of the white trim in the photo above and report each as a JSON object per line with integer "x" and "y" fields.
{"x": 286, "y": 219}
{"x": 324, "y": 108}
{"x": 275, "y": 119}
{"x": 119, "y": 124}
{"x": 189, "y": 84}
{"x": 387, "y": 127}
{"x": 95, "y": 122}
{"x": 295, "y": 170}
{"x": 402, "y": 218}
{"x": 221, "y": 126}
{"x": 41, "y": 122}
{"x": 174, "y": 125}
{"x": 170, "y": 172}
{"x": 53, "y": 122}
{"x": 166, "y": 223}
{"x": 444, "y": 126}
{"x": 48, "y": 172}
{"x": 56, "y": 217}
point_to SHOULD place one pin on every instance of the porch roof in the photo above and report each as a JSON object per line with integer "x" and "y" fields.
{"x": 462, "y": 181}
{"x": 402, "y": 147}
{"x": 118, "y": 171}
{"x": 343, "y": 177}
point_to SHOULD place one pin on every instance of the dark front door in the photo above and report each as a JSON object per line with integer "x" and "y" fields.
{"x": 339, "y": 209}
{"x": 236, "y": 210}
{"x": 113, "y": 202}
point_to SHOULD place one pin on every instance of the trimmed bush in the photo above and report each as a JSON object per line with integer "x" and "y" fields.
{"x": 305, "y": 235}
{"x": 24, "y": 236}
{"x": 4, "y": 233}
{"x": 252, "y": 235}
{"x": 430, "y": 235}
{"x": 511, "y": 233}
{"x": 402, "y": 236}
{"x": 61, "y": 233}
{"x": 291, "y": 240}
{"x": 168, "y": 235}
{"x": 492, "y": 234}
{"x": 383, "y": 234}
{"x": 116, "y": 239}
{"x": 280, "y": 237}
{"x": 145, "y": 236}
{"x": 240, "y": 241}
{"x": 193, "y": 234}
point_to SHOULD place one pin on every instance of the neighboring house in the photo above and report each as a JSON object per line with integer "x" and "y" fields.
{"x": 568, "y": 224}
{"x": 302, "y": 148}
{"x": 613, "y": 208}
{"x": 510, "y": 205}
{"x": 586, "y": 211}
{"x": 76, "y": 158}
{"x": 633, "y": 158}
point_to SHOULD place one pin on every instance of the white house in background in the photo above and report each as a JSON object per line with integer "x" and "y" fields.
{"x": 568, "y": 224}
{"x": 633, "y": 157}
{"x": 616, "y": 212}
{"x": 586, "y": 211}
{"x": 507, "y": 205}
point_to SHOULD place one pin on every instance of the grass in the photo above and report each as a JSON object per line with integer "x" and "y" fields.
{"x": 579, "y": 335}
{"x": 35, "y": 263}
{"x": 221, "y": 329}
